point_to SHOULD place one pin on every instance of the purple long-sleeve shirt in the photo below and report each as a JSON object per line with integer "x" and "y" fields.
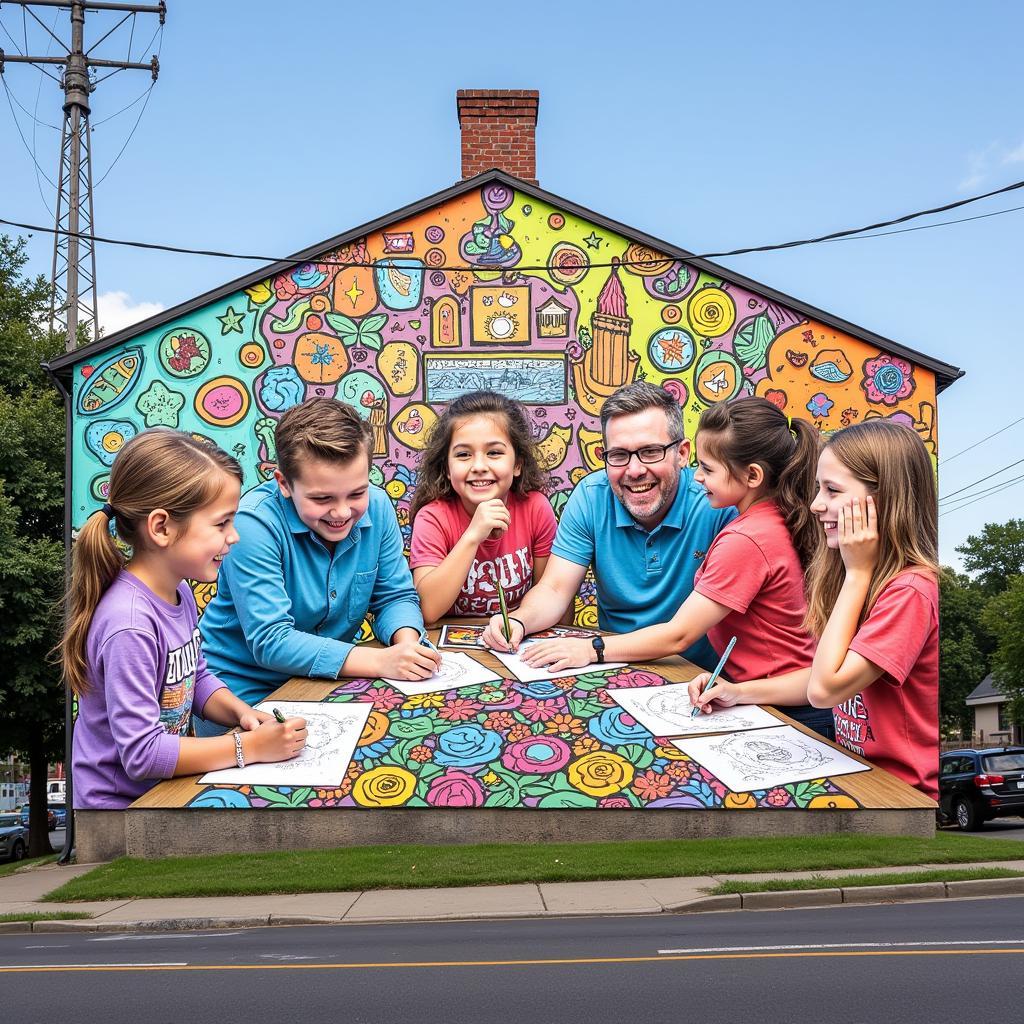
{"x": 146, "y": 676}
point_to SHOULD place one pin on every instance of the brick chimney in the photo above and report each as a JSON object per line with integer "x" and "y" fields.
{"x": 498, "y": 129}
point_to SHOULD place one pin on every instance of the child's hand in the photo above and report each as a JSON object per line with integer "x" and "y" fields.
{"x": 252, "y": 719}
{"x": 409, "y": 659}
{"x": 858, "y": 536}
{"x": 723, "y": 693}
{"x": 563, "y": 653}
{"x": 491, "y": 519}
{"x": 276, "y": 741}
{"x": 494, "y": 635}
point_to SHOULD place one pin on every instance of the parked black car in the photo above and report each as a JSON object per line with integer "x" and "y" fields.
{"x": 977, "y": 785}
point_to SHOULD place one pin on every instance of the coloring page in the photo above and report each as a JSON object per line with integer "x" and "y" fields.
{"x": 333, "y": 730}
{"x": 528, "y": 674}
{"x": 764, "y": 758}
{"x": 462, "y": 636}
{"x": 456, "y": 670}
{"x": 666, "y": 711}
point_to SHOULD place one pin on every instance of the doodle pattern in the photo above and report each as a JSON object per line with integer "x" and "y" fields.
{"x": 554, "y": 743}
{"x": 381, "y": 323}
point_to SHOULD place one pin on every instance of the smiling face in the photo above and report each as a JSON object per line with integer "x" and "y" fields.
{"x": 647, "y": 490}
{"x": 722, "y": 488}
{"x": 481, "y": 461}
{"x": 837, "y": 487}
{"x": 200, "y": 547}
{"x": 329, "y": 497}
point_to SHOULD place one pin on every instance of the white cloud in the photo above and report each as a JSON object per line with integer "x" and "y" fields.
{"x": 116, "y": 310}
{"x": 981, "y": 164}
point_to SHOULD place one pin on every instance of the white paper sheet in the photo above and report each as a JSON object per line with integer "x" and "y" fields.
{"x": 333, "y": 730}
{"x": 665, "y": 711}
{"x": 456, "y": 670}
{"x": 528, "y": 674}
{"x": 762, "y": 758}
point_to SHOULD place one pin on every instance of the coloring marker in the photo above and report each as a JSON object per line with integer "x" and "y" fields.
{"x": 426, "y": 642}
{"x": 278, "y": 715}
{"x": 714, "y": 675}
{"x": 506, "y": 628}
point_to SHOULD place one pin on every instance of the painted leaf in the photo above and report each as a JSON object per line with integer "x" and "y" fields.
{"x": 568, "y": 798}
{"x": 752, "y": 341}
{"x": 290, "y": 322}
{"x": 346, "y": 328}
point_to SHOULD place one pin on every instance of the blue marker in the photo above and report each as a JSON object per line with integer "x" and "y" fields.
{"x": 714, "y": 675}
{"x": 425, "y": 642}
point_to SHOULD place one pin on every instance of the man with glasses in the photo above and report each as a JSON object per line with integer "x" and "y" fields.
{"x": 644, "y": 524}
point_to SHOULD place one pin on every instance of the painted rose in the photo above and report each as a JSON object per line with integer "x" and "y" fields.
{"x": 637, "y": 677}
{"x": 384, "y": 787}
{"x": 536, "y": 755}
{"x": 541, "y": 689}
{"x": 600, "y": 773}
{"x": 614, "y": 801}
{"x": 887, "y": 380}
{"x": 615, "y": 728}
{"x": 455, "y": 789}
{"x": 466, "y": 745}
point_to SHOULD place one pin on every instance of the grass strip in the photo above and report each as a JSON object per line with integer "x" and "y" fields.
{"x": 409, "y": 867}
{"x": 33, "y": 915}
{"x": 35, "y": 862}
{"x": 853, "y": 881}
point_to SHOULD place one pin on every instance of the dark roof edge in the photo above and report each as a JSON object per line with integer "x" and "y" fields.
{"x": 945, "y": 373}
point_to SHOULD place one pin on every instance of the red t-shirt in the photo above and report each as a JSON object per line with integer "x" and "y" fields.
{"x": 894, "y": 723}
{"x": 509, "y": 558}
{"x": 753, "y": 568}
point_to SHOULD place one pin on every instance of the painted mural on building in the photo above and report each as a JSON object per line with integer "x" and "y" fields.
{"x": 395, "y": 324}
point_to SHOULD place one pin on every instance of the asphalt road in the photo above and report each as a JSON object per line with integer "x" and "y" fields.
{"x": 920, "y": 963}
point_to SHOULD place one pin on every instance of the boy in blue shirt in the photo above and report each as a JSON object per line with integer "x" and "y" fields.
{"x": 319, "y": 547}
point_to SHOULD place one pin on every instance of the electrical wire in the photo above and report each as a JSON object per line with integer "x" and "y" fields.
{"x": 161, "y": 247}
{"x": 24, "y": 141}
{"x": 970, "y": 447}
{"x": 981, "y": 497}
{"x": 967, "y": 487}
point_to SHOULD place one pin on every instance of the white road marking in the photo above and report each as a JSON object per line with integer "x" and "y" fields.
{"x": 837, "y": 945}
{"x": 287, "y": 956}
{"x": 27, "y": 967}
{"x": 65, "y": 945}
{"x": 162, "y": 935}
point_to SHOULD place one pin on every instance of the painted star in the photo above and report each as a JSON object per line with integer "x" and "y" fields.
{"x": 353, "y": 293}
{"x": 592, "y": 240}
{"x": 231, "y": 321}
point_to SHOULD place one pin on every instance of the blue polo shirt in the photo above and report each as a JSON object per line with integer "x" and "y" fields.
{"x": 286, "y": 606}
{"x": 642, "y": 577}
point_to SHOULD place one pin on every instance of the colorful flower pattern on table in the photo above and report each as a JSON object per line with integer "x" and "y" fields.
{"x": 550, "y": 744}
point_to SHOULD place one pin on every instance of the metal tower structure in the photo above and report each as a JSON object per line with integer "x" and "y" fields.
{"x": 73, "y": 295}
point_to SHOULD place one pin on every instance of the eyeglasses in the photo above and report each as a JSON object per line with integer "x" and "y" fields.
{"x": 649, "y": 454}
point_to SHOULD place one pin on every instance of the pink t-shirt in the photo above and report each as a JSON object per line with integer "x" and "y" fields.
{"x": 894, "y": 723}
{"x": 508, "y": 559}
{"x": 753, "y": 568}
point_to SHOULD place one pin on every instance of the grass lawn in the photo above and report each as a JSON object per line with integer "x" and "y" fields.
{"x": 407, "y": 867}
{"x": 32, "y": 915}
{"x": 11, "y": 866}
{"x": 850, "y": 881}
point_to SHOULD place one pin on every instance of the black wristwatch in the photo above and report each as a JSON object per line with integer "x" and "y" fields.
{"x": 599, "y": 647}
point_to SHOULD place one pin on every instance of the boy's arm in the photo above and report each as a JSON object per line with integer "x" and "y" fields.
{"x": 255, "y": 574}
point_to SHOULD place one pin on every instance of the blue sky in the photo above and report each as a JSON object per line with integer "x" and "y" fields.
{"x": 275, "y": 126}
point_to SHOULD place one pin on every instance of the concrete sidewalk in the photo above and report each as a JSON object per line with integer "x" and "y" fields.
{"x": 21, "y": 893}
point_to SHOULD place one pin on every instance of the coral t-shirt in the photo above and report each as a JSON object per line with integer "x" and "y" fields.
{"x": 508, "y": 559}
{"x": 753, "y": 569}
{"x": 894, "y": 723}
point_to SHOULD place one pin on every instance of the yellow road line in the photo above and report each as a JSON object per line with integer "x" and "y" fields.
{"x": 567, "y": 961}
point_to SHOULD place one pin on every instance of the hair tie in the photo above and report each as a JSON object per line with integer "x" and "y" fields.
{"x": 108, "y": 511}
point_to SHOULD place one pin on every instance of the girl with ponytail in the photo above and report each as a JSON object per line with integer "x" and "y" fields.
{"x": 131, "y": 651}
{"x": 751, "y": 583}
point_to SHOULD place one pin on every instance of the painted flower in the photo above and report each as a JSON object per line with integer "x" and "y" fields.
{"x": 519, "y": 731}
{"x": 820, "y": 405}
{"x": 679, "y": 770}
{"x": 585, "y": 744}
{"x": 614, "y": 728}
{"x": 460, "y": 709}
{"x": 633, "y": 677}
{"x": 777, "y": 797}
{"x": 302, "y": 280}
{"x": 376, "y": 728}
{"x": 887, "y": 380}
{"x": 652, "y": 785}
{"x": 499, "y": 721}
{"x": 537, "y": 755}
{"x": 541, "y": 689}
{"x": 467, "y": 744}
{"x": 423, "y": 700}
{"x": 740, "y": 801}
{"x": 421, "y": 753}
{"x": 614, "y": 801}
{"x": 384, "y": 787}
{"x": 353, "y": 686}
{"x": 383, "y": 698}
{"x": 541, "y": 710}
{"x": 565, "y": 725}
{"x": 600, "y": 773}
{"x": 455, "y": 789}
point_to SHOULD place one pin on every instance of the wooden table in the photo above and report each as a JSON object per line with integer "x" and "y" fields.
{"x": 553, "y": 762}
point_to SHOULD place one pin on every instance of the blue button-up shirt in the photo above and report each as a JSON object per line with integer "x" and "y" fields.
{"x": 287, "y": 606}
{"x": 642, "y": 576}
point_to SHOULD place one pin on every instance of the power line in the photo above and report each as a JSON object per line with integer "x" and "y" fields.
{"x": 981, "y": 497}
{"x": 981, "y": 481}
{"x": 950, "y": 458}
{"x": 161, "y": 247}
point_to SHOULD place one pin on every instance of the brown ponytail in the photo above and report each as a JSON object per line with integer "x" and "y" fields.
{"x": 753, "y": 431}
{"x": 159, "y": 468}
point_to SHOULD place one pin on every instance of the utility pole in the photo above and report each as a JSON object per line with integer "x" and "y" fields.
{"x": 73, "y": 284}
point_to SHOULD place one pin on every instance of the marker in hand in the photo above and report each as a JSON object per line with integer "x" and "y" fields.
{"x": 506, "y": 627}
{"x": 279, "y": 716}
{"x": 714, "y": 675}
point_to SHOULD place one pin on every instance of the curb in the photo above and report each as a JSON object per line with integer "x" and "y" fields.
{"x": 779, "y": 900}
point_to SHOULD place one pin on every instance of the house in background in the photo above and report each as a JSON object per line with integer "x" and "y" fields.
{"x": 992, "y": 725}
{"x": 492, "y": 283}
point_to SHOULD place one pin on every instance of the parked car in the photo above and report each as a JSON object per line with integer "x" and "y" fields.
{"x": 13, "y": 837}
{"x": 978, "y": 785}
{"x": 60, "y": 816}
{"x": 51, "y": 817}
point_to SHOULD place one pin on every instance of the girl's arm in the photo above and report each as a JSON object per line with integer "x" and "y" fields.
{"x": 837, "y": 673}
{"x": 272, "y": 741}
{"x": 786, "y": 690}
{"x": 440, "y": 585}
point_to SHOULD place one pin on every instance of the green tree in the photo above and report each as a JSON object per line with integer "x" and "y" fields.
{"x": 1003, "y": 617}
{"x": 995, "y": 556}
{"x": 31, "y": 530}
{"x": 964, "y": 650}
